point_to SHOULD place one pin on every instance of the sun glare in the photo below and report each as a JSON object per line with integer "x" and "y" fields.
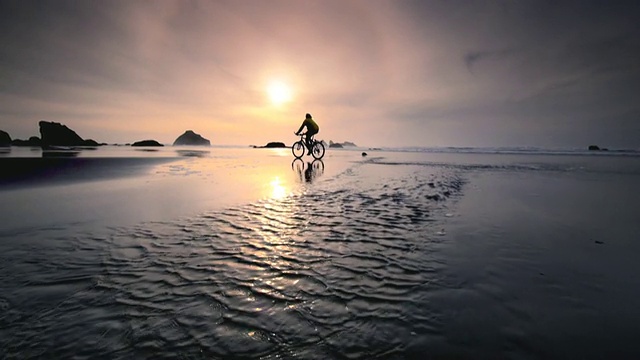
{"x": 279, "y": 92}
{"x": 277, "y": 190}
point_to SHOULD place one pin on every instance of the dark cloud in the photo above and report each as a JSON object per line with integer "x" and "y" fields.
{"x": 471, "y": 58}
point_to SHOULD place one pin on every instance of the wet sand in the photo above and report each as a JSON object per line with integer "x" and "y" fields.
{"x": 242, "y": 253}
{"x": 546, "y": 262}
{"x": 130, "y": 185}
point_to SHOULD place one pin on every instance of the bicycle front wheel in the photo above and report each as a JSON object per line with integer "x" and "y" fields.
{"x": 298, "y": 149}
{"x": 317, "y": 150}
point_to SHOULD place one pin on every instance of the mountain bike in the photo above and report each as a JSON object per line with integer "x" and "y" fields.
{"x": 299, "y": 147}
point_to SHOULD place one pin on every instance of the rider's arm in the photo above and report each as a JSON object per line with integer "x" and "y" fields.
{"x": 301, "y": 127}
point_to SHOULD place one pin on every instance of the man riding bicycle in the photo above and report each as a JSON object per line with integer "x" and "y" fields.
{"x": 312, "y": 129}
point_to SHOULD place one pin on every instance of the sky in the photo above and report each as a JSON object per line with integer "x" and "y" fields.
{"x": 539, "y": 73}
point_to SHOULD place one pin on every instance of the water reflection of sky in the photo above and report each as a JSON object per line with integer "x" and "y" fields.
{"x": 219, "y": 174}
{"x": 278, "y": 190}
{"x": 166, "y": 184}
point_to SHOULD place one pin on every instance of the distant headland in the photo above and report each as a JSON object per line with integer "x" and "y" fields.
{"x": 597, "y": 148}
{"x": 271, "y": 145}
{"x": 341, "y": 145}
{"x": 55, "y": 135}
{"x": 278, "y": 144}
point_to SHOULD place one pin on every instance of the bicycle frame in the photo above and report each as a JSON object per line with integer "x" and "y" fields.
{"x": 313, "y": 138}
{"x": 315, "y": 144}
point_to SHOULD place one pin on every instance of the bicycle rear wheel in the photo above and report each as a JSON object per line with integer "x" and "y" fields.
{"x": 317, "y": 150}
{"x": 298, "y": 149}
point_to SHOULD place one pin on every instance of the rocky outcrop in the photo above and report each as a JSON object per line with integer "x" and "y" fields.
{"x": 5, "y": 139}
{"x": 91, "y": 142}
{"x": 191, "y": 138}
{"x": 341, "y": 145}
{"x": 146, "y": 143}
{"x": 275, "y": 144}
{"x": 597, "y": 148}
{"x": 33, "y": 141}
{"x": 56, "y": 134}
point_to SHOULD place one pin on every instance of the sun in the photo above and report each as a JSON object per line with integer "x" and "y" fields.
{"x": 279, "y": 92}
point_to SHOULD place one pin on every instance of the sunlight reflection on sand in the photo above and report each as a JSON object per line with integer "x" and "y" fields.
{"x": 163, "y": 185}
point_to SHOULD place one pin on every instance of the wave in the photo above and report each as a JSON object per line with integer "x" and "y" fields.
{"x": 513, "y": 150}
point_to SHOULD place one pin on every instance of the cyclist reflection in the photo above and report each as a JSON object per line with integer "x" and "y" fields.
{"x": 309, "y": 171}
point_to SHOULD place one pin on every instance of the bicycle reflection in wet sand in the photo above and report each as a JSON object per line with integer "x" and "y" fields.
{"x": 308, "y": 171}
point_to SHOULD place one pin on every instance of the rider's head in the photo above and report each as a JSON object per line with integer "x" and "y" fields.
{"x": 308, "y": 116}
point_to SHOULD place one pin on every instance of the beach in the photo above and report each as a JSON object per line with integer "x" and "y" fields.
{"x": 229, "y": 252}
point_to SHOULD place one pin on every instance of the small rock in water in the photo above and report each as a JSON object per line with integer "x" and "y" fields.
{"x": 364, "y": 154}
{"x": 441, "y": 232}
{"x": 599, "y": 242}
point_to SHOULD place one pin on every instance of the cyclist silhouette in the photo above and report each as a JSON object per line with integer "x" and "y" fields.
{"x": 312, "y": 129}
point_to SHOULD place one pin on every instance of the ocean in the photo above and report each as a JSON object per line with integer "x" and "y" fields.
{"x": 229, "y": 252}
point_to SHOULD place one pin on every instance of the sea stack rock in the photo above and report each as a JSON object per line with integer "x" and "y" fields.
{"x": 52, "y": 133}
{"x": 191, "y": 138}
{"x": 56, "y": 134}
{"x": 5, "y": 139}
{"x": 146, "y": 143}
{"x": 33, "y": 141}
{"x": 594, "y": 148}
{"x": 275, "y": 144}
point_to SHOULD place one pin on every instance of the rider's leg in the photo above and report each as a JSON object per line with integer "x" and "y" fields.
{"x": 308, "y": 143}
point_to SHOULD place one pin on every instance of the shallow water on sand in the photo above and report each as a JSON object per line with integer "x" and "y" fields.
{"x": 392, "y": 256}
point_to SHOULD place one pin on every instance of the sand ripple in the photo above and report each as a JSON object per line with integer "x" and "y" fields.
{"x": 342, "y": 269}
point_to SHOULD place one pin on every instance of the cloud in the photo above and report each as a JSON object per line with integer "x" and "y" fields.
{"x": 473, "y": 57}
{"x": 379, "y": 71}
